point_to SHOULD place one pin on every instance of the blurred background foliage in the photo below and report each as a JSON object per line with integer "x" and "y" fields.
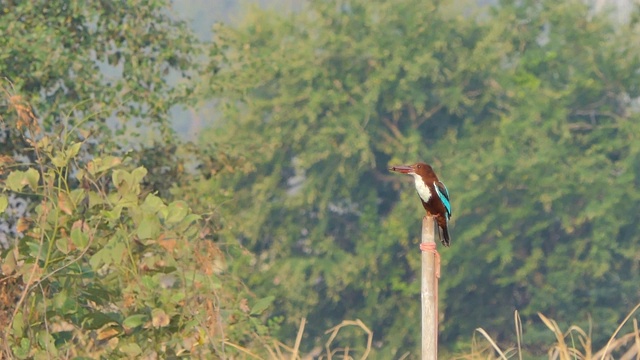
{"x": 528, "y": 110}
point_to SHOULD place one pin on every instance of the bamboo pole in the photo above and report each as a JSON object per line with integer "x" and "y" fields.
{"x": 429, "y": 292}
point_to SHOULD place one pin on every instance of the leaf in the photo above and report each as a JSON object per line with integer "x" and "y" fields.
{"x": 159, "y": 318}
{"x": 59, "y": 160}
{"x": 149, "y": 282}
{"x": 46, "y": 341}
{"x": 261, "y": 305}
{"x": 22, "y": 225}
{"x": 132, "y": 350}
{"x": 99, "y": 258}
{"x": 65, "y": 303}
{"x": 73, "y": 150}
{"x": 138, "y": 174}
{"x": 113, "y": 215}
{"x": 22, "y": 351}
{"x": 167, "y": 242}
{"x": 95, "y": 199}
{"x": 176, "y": 211}
{"x": 244, "y": 305}
{"x": 149, "y": 227}
{"x": 33, "y": 176}
{"x": 10, "y": 261}
{"x": 79, "y": 237}
{"x": 62, "y": 244}
{"x": 64, "y": 203}
{"x": 99, "y": 165}
{"x": 152, "y": 204}
{"x": 16, "y": 180}
{"x": 18, "y": 325}
{"x": 62, "y": 325}
{"x": 76, "y": 196}
{"x": 96, "y": 320}
{"x": 121, "y": 178}
{"x": 29, "y": 270}
{"x": 186, "y": 222}
{"x": 134, "y": 321}
{"x": 4, "y": 203}
{"x": 107, "y": 332}
{"x": 45, "y": 143}
{"x": 128, "y": 184}
{"x": 111, "y": 254}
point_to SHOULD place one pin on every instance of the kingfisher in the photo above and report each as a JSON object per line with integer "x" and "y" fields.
{"x": 433, "y": 194}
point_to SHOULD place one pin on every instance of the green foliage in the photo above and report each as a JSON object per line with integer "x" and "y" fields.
{"x": 58, "y": 48}
{"x": 525, "y": 110}
{"x": 104, "y": 268}
{"x": 119, "y": 69}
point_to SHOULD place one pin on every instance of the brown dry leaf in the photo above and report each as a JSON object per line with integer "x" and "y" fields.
{"x": 45, "y": 206}
{"x": 80, "y": 224}
{"x": 129, "y": 300}
{"x": 115, "y": 161}
{"x": 61, "y": 326}
{"x": 113, "y": 343}
{"x": 204, "y": 232}
{"x": 168, "y": 243}
{"x": 244, "y": 305}
{"x": 27, "y": 118}
{"x": 159, "y": 318}
{"x": 91, "y": 167}
{"x": 6, "y": 160}
{"x": 210, "y": 258}
{"x": 22, "y": 225}
{"x": 106, "y": 332}
{"x": 85, "y": 133}
{"x": 64, "y": 203}
{"x": 191, "y": 341}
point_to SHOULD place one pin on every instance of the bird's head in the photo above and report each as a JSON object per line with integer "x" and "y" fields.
{"x": 421, "y": 169}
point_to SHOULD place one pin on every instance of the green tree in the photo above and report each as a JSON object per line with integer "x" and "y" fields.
{"x": 118, "y": 67}
{"x": 102, "y": 267}
{"x": 524, "y": 109}
{"x": 100, "y": 261}
{"x": 554, "y": 217}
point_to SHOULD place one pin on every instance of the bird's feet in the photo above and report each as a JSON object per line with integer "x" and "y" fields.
{"x": 431, "y": 247}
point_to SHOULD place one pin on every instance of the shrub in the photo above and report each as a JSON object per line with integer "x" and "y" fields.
{"x": 103, "y": 266}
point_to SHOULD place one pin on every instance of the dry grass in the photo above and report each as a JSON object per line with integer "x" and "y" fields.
{"x": 280, "y": 351}
{"x": 573, "y": 344}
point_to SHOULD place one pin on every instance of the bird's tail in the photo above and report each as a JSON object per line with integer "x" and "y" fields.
{"x": 446, "y": 238}
{"x": 444, "y": 225}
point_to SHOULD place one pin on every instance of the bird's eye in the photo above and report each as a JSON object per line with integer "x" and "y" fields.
{"x": 419, "y": 166}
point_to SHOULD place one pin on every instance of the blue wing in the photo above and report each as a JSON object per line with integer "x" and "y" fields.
{"x": 443, "y": 194}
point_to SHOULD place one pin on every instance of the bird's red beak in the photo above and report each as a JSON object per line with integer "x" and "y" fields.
{"x": 404, "y": 169}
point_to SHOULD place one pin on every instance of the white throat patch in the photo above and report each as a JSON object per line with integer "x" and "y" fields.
{"x": 422, "y": 188}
